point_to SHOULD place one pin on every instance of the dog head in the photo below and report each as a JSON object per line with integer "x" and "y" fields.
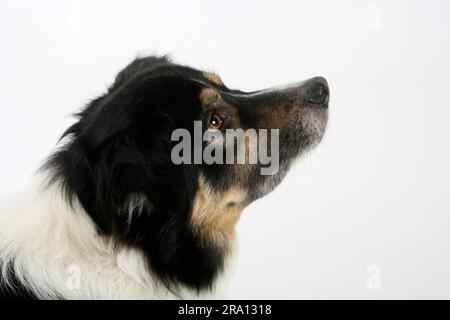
{"x": 119, "y": 160}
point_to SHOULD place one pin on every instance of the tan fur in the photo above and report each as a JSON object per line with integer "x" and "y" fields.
{"x": 215, "y": 214}
{"x": 213, "y": 78}
{"x": 209, "y": 95}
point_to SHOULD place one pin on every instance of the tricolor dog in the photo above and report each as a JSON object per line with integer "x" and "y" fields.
{"x": 111, "y": 215}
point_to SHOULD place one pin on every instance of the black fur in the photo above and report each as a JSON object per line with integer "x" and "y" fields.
{"x": 14, "y": 289}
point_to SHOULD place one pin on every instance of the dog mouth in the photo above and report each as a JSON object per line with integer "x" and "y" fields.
{"x": 301, "y": 113}
{"x": 313, "y": 127}
{"x": 287, "y": 121}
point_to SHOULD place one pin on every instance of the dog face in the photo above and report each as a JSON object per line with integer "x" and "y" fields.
{"x": 118, "y": 162}
{"x": 298, "y": 112}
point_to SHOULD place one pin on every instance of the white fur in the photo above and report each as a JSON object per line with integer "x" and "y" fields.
{"x": 45, "y": 240}
{"x": 134, "y": 205}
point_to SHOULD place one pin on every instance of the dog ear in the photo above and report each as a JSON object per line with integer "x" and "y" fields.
{"x": 138, "y": 65}
{"x": 116, "y": 106}
{"x": 115, "y": 117}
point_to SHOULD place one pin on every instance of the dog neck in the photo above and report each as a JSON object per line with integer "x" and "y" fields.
{"x": 55, "y": 250}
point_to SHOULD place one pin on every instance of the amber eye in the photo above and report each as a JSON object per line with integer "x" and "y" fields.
{"x": 215, "y": 122}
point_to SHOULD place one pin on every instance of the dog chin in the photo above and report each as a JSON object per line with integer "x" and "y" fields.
{"x": 269, "y": 183}
{"x": 314, "y": 124}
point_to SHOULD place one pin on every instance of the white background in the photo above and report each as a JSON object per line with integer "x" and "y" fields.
{"x": 376, "y": 191}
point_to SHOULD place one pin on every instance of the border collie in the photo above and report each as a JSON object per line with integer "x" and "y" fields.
{"x": 111, "y": 216}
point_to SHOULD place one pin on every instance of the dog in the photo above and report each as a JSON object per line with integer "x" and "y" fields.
{"x": 111, "y": 216}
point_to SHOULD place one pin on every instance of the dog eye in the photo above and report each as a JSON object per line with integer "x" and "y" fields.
{"x": 215, "y": 122}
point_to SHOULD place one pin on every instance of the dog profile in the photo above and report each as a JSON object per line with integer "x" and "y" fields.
{"x": 111, "y": 216}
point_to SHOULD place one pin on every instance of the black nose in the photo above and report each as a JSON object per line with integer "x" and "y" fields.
{"x": 317, "y": 91}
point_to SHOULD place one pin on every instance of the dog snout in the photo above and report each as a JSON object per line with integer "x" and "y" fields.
{"x": 316, "y": 92}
